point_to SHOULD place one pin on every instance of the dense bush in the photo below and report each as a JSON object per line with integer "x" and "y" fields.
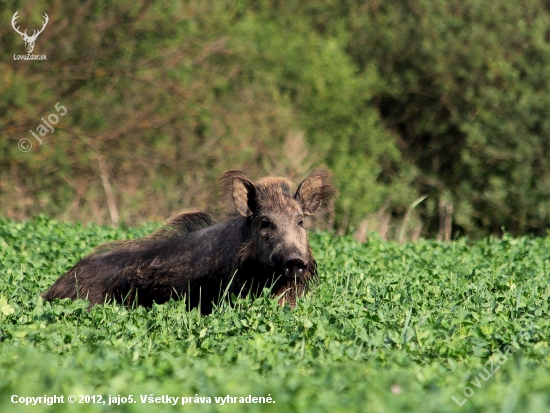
{"x": 468, "y": 94}
{"x": 403, "y": 99}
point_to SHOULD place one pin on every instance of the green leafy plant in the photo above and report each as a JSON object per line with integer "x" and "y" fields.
{"x": 388, "y": 327}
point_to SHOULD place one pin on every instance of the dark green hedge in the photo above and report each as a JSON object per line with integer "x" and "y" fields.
{"x": 403, "y": 99}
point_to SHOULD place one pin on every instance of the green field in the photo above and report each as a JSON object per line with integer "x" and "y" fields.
{"x": 387, "y": 328}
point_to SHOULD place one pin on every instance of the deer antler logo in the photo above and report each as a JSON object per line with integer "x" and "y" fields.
{"x": 29, "y": 40}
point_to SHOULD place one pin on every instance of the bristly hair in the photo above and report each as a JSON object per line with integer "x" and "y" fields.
{"x": 181, "y": 224}
{"x": 328, "y": 190}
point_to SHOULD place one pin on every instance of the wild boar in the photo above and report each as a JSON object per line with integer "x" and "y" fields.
{"x": 263, "y": 244}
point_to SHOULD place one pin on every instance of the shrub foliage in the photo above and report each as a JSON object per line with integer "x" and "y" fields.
{"x": 404, "y": 99}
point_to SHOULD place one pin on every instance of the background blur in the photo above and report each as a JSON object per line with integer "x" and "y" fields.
{"x": 442, "y": 99}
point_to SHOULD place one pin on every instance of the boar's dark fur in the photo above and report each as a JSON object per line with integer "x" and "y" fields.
{"x": 263, "y": 244}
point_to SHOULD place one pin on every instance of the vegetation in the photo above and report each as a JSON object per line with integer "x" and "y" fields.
{"x": 388, "y": 328}
{"x": 444, "y": 99}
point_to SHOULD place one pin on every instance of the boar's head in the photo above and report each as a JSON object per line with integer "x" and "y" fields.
{"x": 275, "y": 212}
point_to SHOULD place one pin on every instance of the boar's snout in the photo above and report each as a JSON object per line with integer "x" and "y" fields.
{"x": 292, "y": 265}
{"x": 295, "y": 268}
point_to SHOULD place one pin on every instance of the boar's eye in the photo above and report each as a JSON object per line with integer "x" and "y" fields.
{"x": 301, "y": 222}
{"x": 266, "y": 223}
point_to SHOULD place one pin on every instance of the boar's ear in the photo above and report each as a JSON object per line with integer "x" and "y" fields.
{"x": 244, "y": 196}
{"x": 241, "y": 191}
{"x": 316, "y": 187}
